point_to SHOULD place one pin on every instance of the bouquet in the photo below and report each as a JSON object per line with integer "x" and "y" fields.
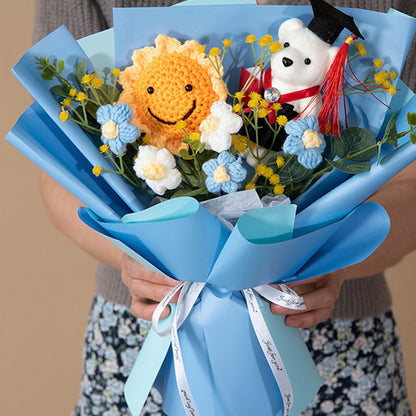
{"x": 207, "y": 154}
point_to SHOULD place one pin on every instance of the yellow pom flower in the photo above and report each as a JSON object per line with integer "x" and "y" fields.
{"x": 180, "y": 124}
{"x": 237, "y": 108}
{"x": 378, "y": 63}
{"x": 97, "y": 170}
{"x": 73, "y": 92}
{"x": 239, "y": 95}
{"x": 250, "y": 185}
{"x": 63, "y": 115}
{"x": 392, "y": 75}
{"x": 146, "y": 139}
{"x": 81, "y": 97}
{"x": 392, "y": 90}
{"x": 263, "y": 112}
{"x": 253, "y": 103}
{"x": 97, "y": 82}
{"x": 240, "y": 147}
{"x": 215, "y": 51}
{"x": 66, "y": 103}
{"x": 281, "y": 120}
{"x": 380, "y": 77}
{"x": 280, "y": 161}
{"x": 268, "y": 172}
{"x": 227, "y": 43}
{"x": 386, "y": 85}
{"x": 201, "y": 49}
{"x": 264, "y": 104}
{"x": 250, "y": 39}
{"x": 260, "y": 169}
{"x": 116, "y": 72}
{"x": 360, "y": 48}
{"x": 274, "y": 179}
{"x": 265, "y": 40}
{"x": 87, "y": 79}
{"x": 104, "y": 148}
{"x": 255, "y": 96}
{"x": 195, "y": 136}
{"x": 276, "y": 106}
{"x": 278, "y": 189}
{"x": 275, "y": 46}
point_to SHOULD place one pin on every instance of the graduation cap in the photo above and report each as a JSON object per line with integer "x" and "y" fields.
{"x": 328, "y": 22}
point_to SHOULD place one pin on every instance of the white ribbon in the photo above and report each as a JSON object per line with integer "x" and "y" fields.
{"x": 189, "y": 292}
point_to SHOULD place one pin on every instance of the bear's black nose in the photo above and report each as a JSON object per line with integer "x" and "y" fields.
{"x": 287, "y": 61}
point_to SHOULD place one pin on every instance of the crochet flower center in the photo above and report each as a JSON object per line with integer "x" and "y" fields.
{"x": 210, "y": 125}
{"x": 110, "y": 130}
{"x": 311, "y": 139}
{"x": 221, "y": 175}
{"x": 154, "y": 171}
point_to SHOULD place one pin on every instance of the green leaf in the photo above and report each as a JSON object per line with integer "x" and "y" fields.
{"x": 293, "y": 172}
{"x": 391, "y": 131}
{"x": 194, "y": 145}
{"x": 352, "y": 168}
{"x": 413, "y": 137}
{"x": 60, "y": 65}
{"x": 187, "y": 192}
{"x": 61, "y": 90}
{"x": 411, "y": 119}
{"x": 80, "y": 72}
{"x": 201, "y": 147}
{"x": 46, "y": 75}
{"x": 183, "y": 153}
{"x": 354, "y": 140}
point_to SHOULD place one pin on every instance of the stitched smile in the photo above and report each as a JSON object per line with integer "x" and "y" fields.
{"x": 174, "y": 122}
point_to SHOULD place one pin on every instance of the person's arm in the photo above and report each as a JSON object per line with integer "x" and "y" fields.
{"x": 146, "y": 287}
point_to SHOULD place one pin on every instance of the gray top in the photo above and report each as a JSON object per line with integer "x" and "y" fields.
{"x": 84, "y": 17}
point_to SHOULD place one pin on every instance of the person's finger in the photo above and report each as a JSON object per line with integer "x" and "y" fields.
{"x": 142, "y": 308}
{"x": 309, "y": 318}
{"x": 151, "y": 291}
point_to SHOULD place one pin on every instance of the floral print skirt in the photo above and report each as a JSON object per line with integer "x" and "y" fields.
{"x": 359, "y": 360}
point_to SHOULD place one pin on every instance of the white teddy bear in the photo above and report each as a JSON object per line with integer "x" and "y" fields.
{"x": 300, "y": 66}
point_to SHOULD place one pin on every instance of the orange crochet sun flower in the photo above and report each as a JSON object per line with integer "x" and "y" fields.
{"x": 169, "y": 83}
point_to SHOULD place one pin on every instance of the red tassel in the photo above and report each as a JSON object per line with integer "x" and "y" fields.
{"x": 331, "y": 90}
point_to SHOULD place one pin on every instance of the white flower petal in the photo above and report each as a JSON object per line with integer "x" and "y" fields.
{"x": 220, "y": 141}
{"x": 219, "y": 108}
{"x": 166, "y": 158}
{"x": 231, "y": 123}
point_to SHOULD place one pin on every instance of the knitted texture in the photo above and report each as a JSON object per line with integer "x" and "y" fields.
{"x": 170, "y": 83}
{"x": 358, "y": 298}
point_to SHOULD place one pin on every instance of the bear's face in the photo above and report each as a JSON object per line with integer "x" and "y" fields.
{"x": 304, "y": 59}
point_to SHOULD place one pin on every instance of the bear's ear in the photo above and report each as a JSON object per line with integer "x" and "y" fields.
{"x": 332, "y": 51}
{"x": 289, "y": 26}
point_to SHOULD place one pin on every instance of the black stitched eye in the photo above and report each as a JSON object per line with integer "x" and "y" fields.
{"x": 150, "y": 90}
{"x": 188, "y": 87}
{"x": 307, "y": 61}
{"x": 286, "y": 44}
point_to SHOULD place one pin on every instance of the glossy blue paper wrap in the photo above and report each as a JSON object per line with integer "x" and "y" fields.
{"x": 328, "y": 230}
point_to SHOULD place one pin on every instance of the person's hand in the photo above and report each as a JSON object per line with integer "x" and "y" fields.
{"x": 147, "y": 288}
{"x": 319, "y": 294}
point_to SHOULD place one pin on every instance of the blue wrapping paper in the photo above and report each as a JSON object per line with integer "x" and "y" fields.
{"x": 217, "y": 336}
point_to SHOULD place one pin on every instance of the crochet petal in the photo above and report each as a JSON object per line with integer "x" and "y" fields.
{"x": 209, "y": 166}
{"x": 164, "y": 157}
{"x": 296, "y": 127}
{"x": 231, "y": 123}
{"x": 225, "y": 158}
{"x": 128, "y": 133}
{"x": 172, "y": 179}
{"x": 121, "y": 113}
{"x": 229, "y": 187}
{"x": 104, "y": 114}
{"x": 220, "y": 108}
{"x": 237, "y": 172}
{"x": 220, "y": 141}
{"x": 292, "y": 145}
{"x": 212, "y": 186}
{"x": 310, "y": 158}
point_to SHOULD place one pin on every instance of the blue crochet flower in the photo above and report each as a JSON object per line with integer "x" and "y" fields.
{"x": 305, "y": 141}
{"x": 116, "y": 127}
{"x": 225, "y": 173}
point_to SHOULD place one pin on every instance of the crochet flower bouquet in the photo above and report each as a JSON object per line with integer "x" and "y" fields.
{"x": 198, "y": 161}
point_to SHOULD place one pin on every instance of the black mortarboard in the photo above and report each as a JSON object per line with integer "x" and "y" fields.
{"x": 328, "y": 22}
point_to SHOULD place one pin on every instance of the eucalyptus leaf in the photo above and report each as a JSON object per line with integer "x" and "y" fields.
{"x": 413, "y": 137}
{"x": 80, "y": 72}
{"x": 60, "y": 90}
{"x": 411, "y": 119}
{"x": 46, "y": 75}
{"x": 183, "y": 153}
{"x": 187, "y": 192}
{"x": 391, "y": 131}
{"x": 352, "y": 168}
{"x": 60, "y": 65}
{"x": 293, "y": 172}
{"x": 354, "y": 140}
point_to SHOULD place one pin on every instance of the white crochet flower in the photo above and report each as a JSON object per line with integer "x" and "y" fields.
{"x": 158, "y": 168}
{"x": 218, "y": 127}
